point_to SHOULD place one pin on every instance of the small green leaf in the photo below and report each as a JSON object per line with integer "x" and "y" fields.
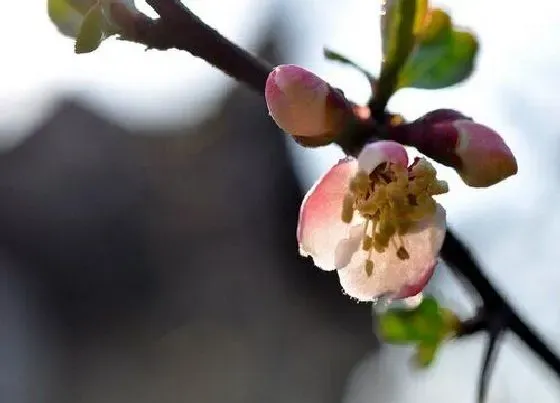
{"x": 426, "y": 326}
{"x": 65, "y": 17}
{"x": 425, "y": 354}
{"x": 428, "y": 322}
{"x": 395, "y": 327}
{"x": 443, "y": 57}
{"x": 337, "y": 57}
{"x": 91, "y": 32}
{"x": 429, "y": 307}
{"x": 397, "y": 38}
{"x": 437, "y": 24}
{"x": 393, "y": 14}
{"x": 421, "y": 12}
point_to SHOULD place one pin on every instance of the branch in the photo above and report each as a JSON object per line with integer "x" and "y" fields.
{"x": 476, "y": 324}
{"x": 179, "y": 28}
{"x": 456, "y": 254}
{"x": 490, "y": 354}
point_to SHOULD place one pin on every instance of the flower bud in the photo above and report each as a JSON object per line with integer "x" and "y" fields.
{"x": 305, "y": 105}
{"x": 485, "y": 157}
{"x": 475, "y": 151}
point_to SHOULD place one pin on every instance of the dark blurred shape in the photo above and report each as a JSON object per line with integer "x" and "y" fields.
{"x": 164, "y": 265}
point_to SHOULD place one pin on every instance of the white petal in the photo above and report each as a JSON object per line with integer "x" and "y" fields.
{"x": 347, "y": 247}
{"x": 401, "y": 278}
{"x": 375, "y": 154}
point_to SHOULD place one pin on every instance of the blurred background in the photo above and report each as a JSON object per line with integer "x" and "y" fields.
{"x": 148, "y": 208}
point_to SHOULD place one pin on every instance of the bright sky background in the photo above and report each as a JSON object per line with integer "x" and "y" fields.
{"x": 514, "y": 226}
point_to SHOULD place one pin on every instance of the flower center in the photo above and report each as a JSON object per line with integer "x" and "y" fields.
{"x": 392, "y": 199}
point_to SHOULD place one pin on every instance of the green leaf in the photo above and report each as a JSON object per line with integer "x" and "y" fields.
{"x": 427, "y": 323}
{"x": 425, "y": 354}
{"x": 443, "y": 57}
{"x": 436, "y": 25}
{"x": 398, "y": 17}
{"x": 429, "y": 307}
{"x": 398, "y": 24}
{"x": 91, "y": 32}
{"x": 421, "y": 12}
{"x": 426, "y": 326}
{"x": 337, "y": 57}
{"x": 396, "y": 328}
{"x": 65, "y": 17}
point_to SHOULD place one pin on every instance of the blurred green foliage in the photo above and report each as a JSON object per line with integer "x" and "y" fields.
{"x": 425, "y": 326}
{"x": 443, "y": 55}
{"x": 91, "y": 31}
{"x": 421, "y": 48}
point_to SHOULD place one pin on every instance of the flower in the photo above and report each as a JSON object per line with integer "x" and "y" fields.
{"x": 304, "y": 105}
{"x": 374, "y": 220}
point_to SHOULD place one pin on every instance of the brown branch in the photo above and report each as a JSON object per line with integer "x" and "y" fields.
{"x": 489, "y": 358}
{"x": 458, "y": 256}
{"x": 179, "y": 28}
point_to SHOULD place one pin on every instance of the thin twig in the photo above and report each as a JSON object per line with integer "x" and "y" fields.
{"x": 495, "y": 331}
{"x": 534, "y": 342}
{"x": 476, "y": 324}
{"x": 457, "y": 255}
{"x": 179, "y": 28}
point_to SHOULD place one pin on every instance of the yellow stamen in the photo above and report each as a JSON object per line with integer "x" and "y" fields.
{"x": 359, "y": 183}
{"x": 367, "y": 241}
{"x": 369, "y": 267}
{"x": 402, "y": 253}
{"x": 394, "y": 199}
{"x": 348, "y": 208}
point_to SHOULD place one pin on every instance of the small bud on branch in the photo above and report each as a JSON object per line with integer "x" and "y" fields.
{"x": 478, "y": 154}
{"x": 304, "y": 105}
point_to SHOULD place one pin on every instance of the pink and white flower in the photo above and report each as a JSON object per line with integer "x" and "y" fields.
{"x": 374, "y": 220}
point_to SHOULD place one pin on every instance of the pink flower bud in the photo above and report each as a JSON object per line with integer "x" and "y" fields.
{"x": 303, "y": 104}
{"x": 485, "y": 157}
{"x": 475, "y": 151}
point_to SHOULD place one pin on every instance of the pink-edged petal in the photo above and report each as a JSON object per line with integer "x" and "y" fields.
{"x": 410, "y": 290}
{"x": 392, "y": 276}
{"x": 320, "y": 226}
{"x": 374, "y": 154}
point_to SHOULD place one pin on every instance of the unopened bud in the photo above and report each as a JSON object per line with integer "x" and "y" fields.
{"x": 485, "y": 157}
{"x": 304, "y": 105}
{"x": 476, "y": 152}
